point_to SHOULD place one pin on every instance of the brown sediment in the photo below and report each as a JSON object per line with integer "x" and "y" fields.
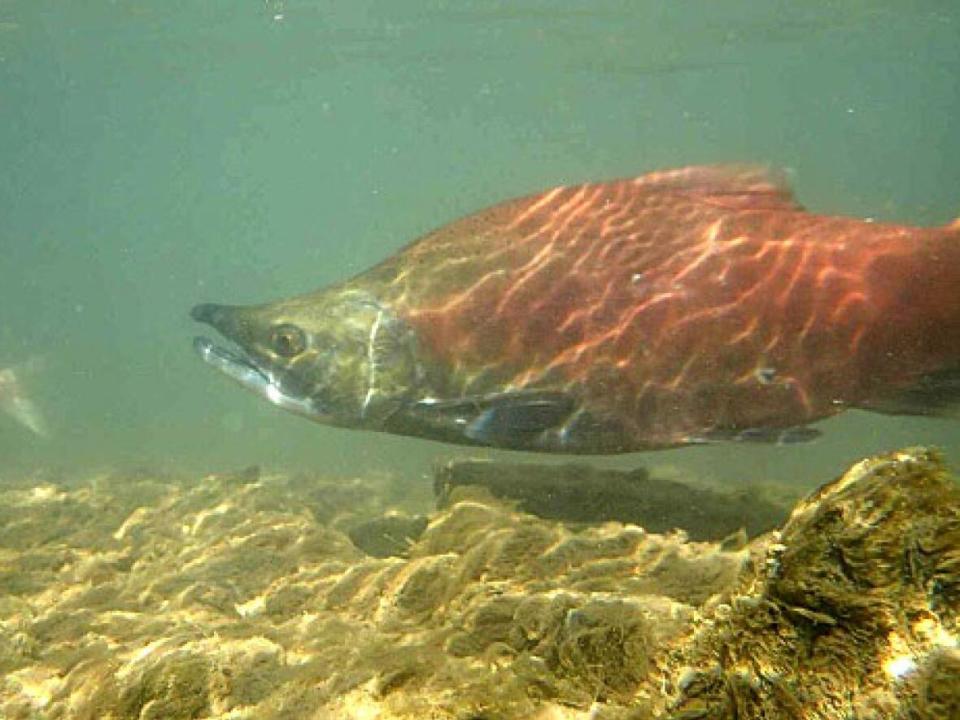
{"x": 242, "y": 596}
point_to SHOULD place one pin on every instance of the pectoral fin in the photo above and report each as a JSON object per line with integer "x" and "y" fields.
{"x": 509, "y": 420}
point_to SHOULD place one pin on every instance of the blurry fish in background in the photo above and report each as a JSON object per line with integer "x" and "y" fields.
{"x": 15, "y": 403}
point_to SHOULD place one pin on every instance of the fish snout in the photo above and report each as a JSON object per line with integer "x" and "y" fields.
{"x": 231, "y": 321}
{"x": 209, "y": 313}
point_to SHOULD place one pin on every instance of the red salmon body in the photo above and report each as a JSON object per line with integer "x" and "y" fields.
{"x": 687, "y": 304}
{"x": 678, "y": 307}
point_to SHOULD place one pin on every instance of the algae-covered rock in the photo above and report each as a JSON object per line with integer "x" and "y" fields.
{"x": 242, "y": 596}
{"x": 852, "y": 608}
{"x": 390, "y": 534}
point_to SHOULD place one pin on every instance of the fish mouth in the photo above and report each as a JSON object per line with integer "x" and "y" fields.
{"x": 241, "y": 368}
{"x": 235, "y": 364}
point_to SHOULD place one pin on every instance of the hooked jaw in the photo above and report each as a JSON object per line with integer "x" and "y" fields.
{"x": 238, "y": 365}
{"x": 210, "y": 314}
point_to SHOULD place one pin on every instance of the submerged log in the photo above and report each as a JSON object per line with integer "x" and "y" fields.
{"x": 579, "y": 493}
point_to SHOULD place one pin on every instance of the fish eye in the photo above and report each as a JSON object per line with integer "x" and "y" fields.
{"x": 287, "y": 340}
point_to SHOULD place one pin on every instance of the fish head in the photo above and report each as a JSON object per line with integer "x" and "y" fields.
{"x": 338, "y": 356}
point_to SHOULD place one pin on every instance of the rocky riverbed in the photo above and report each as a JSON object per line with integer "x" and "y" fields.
{"x": 269, "y": 596}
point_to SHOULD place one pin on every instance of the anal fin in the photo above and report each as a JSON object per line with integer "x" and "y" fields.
{"x": 767, "y": 436}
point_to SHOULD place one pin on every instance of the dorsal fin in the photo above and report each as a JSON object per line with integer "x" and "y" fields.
{"x": 740, "y": 186}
